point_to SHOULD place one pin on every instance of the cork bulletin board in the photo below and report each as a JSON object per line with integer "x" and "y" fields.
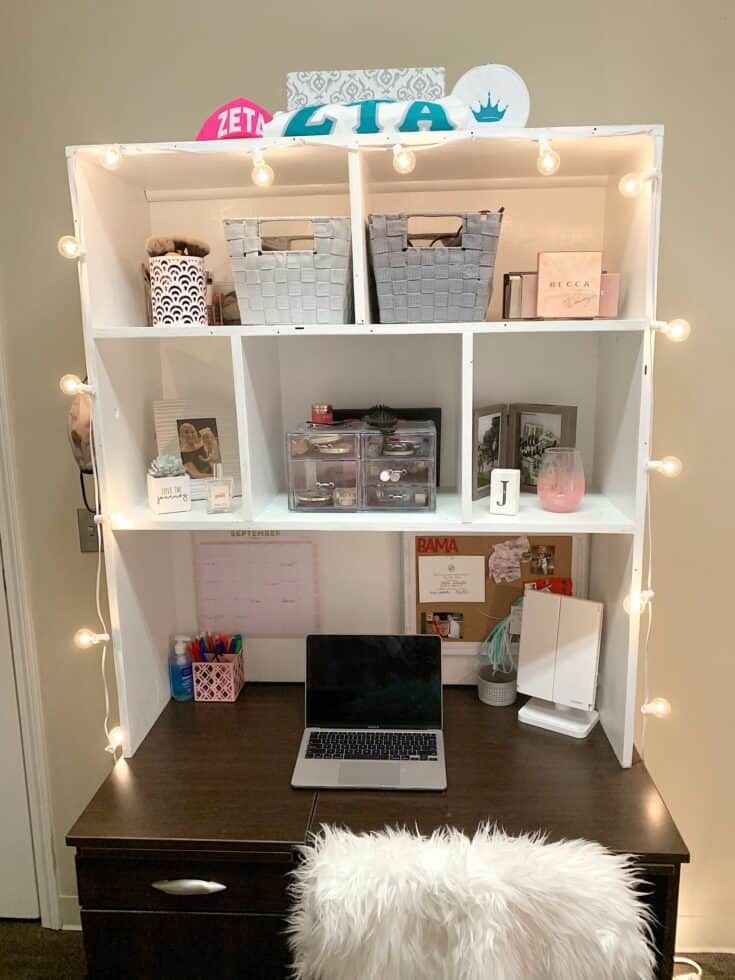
{"x": 461, "y": 585}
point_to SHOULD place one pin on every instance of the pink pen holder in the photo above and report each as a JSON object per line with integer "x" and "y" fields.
{"x": 220, "y": 680}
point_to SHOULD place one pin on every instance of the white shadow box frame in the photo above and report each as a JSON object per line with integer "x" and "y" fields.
{"x": 167, "y": 414}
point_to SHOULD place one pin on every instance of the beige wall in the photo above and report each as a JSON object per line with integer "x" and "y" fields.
{"x": 92, "y": 72}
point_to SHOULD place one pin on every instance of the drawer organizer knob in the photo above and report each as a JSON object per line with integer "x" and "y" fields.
{"x": 188, "y": 886}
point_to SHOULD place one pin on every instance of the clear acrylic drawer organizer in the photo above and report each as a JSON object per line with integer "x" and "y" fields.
{"x": 349, "y": 468}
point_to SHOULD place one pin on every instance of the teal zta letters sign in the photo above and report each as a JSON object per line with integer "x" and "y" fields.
{"x": 415, "y": 117}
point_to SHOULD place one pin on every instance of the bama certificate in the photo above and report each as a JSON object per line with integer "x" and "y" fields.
{"x": 459, "y": 578}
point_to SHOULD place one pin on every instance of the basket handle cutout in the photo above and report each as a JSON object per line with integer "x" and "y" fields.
{"x": 298, "y": 237}
{"x": 418, "y": 236}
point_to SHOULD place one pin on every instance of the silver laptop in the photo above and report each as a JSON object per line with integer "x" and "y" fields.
{"x": 373, "y": 713}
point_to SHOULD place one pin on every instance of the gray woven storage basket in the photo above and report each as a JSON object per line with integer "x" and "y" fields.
{"x": 276, "y": 287}
{"x": 438, "y": 284}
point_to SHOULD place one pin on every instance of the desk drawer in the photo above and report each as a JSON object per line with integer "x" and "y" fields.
{"x": 182, "y": 883}
{"x": 185, "y": 946}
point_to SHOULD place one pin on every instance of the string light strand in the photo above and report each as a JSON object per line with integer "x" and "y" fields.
{"x": 112, "y": 745}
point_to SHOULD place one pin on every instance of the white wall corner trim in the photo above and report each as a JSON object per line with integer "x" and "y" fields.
{"x": 25, "y": 658}
{"x": 69, "y": 914}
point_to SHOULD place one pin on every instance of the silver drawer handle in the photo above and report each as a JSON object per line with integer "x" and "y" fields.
{"x": 188, "y": 886}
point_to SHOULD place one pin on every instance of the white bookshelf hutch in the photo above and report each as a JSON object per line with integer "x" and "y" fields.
{"x": 273, "y": 374}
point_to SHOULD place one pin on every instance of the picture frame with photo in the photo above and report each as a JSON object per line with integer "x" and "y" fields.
{"x": 489, "y": 436}
{"x": 202, "y": 433}
{"x": 516, "y": 436}
{"x": 535, "y": 428}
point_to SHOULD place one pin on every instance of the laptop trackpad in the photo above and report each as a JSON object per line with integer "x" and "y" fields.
{"x": 370, "y": 774}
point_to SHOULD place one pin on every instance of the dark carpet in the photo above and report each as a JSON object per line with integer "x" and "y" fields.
{"x": 28, "y": 952}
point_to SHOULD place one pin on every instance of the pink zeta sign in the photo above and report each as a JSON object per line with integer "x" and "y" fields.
{"x": 239, "y": 119}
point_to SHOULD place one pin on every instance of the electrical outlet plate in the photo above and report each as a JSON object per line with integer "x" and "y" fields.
{"x": 87, "y": 530}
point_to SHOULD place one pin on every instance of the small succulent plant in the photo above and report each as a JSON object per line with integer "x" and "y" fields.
{"x": 166, "y": 466}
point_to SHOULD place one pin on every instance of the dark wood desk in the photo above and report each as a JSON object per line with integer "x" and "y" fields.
{"x": 207, "y": 796}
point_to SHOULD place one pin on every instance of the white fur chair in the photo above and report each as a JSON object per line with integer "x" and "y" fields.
{"x": 395, "y": 906}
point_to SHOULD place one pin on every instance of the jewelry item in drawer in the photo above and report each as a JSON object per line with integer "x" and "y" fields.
{"x": 412, "y": 471}
{"x": 390, "y": 497}
{"x": 392, "y": 476}
{"x": 316, "y": 441}
{"x": 332, "y": 446}
{"x": 393, "y": 498}
{"x": 407, "y": 439}
{"x": 345, "y": 497}
{"x": 321, "y": 496}
{"x": 400, "y": 449}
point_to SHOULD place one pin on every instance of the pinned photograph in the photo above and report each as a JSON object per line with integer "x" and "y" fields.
{"x": 541, "y": 559}
{"x": 447, "y": 625}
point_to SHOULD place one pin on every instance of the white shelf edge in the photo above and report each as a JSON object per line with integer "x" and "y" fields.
{"x": 447, "y": 517}
{"x": 598, "y": 515}
{"x": 505, "y": 327}
{"x": 142, "y": 518}
{"x": 379, "y": 139}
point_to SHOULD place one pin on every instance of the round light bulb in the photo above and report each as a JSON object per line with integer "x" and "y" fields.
{"x": 262, "y": 175}
{"x": 632, "y": 603}
{"x": 678, "y": 330}
{"x": 636, "y": 602}
{"x": 119, "y": 522}
{"x": 658, "y": 707}
{"x": 630, "y": 185}
{"x": 112, "y": 157}
{"x": 116, "y": 737}
{"x": 70, "y": 384}
{"x": 85, "y": 639}
{"x": 404, "y": 160}
{"x": 548, "y": 160}
{"x": 670, "y": 466}
{"x": 69, "y": 247}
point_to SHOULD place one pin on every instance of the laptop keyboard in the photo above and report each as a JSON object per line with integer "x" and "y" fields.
{"x": 391, "y": 746}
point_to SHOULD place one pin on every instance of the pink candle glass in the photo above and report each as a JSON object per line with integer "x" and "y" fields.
{"x": 560, "y": 484}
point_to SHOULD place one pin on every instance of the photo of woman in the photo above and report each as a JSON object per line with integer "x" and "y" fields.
{"x": 199, "y": 446}
{"x": 211, "y": 443}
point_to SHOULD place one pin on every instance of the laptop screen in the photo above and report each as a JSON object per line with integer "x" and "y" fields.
{"x": 373, "y": 682}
